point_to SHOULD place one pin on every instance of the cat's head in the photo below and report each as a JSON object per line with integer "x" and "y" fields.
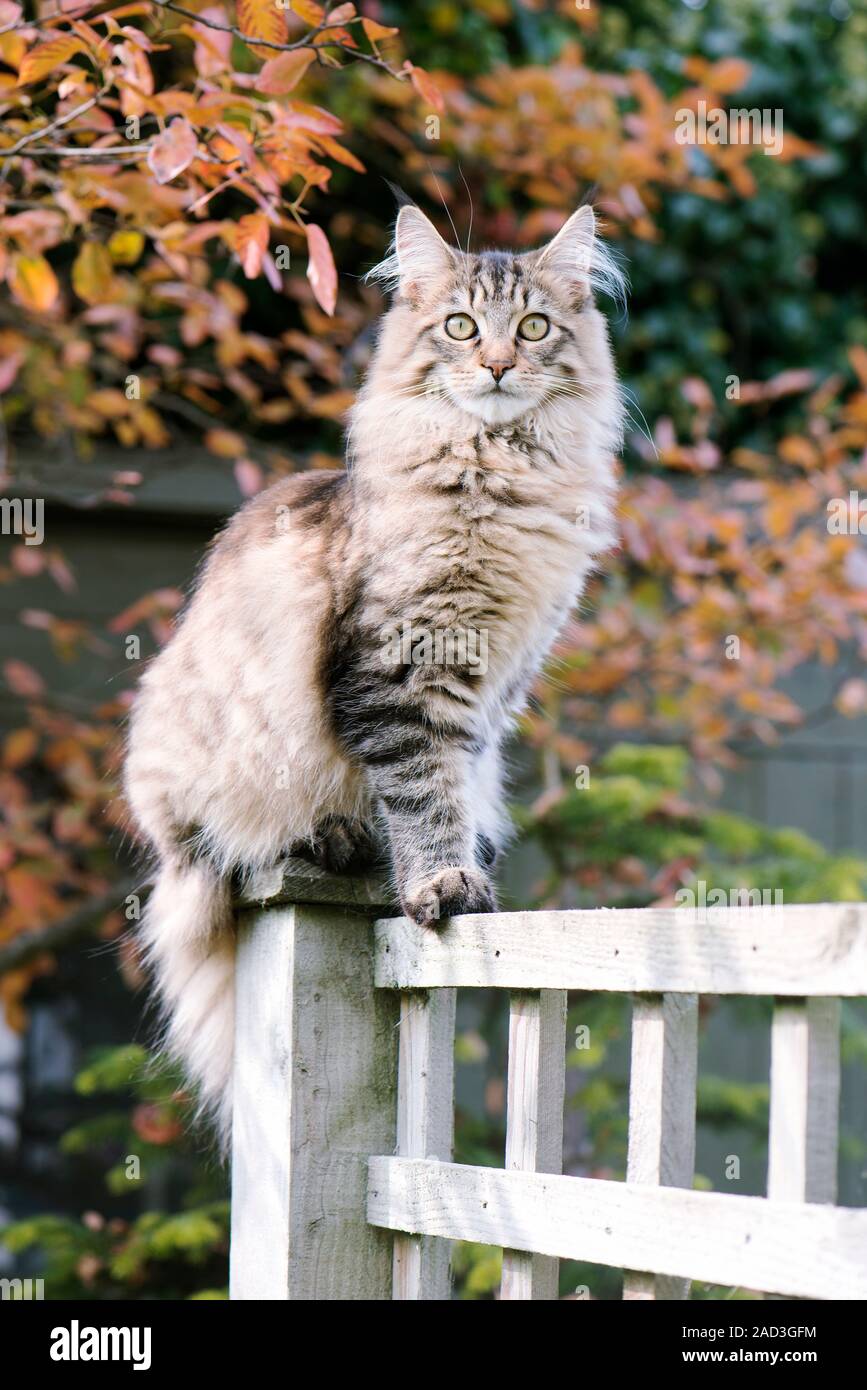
{"x": 495, "y": 333}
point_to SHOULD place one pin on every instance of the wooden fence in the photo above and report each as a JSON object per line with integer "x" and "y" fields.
{"x": 342, "y": 1181}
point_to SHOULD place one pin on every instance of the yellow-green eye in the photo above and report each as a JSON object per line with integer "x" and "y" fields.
{"x": 533, "y": 327}
{"x": 461, "y": 326}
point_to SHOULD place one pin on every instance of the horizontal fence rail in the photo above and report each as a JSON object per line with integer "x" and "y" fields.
{"x": 820, "y": 950}
{"x": 783, "y": 1247}
{"x": 343, "y": 1184}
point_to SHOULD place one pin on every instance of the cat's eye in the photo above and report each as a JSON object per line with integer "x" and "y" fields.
{"x": 461, "y": 326}
{"x": 533, "y": 327}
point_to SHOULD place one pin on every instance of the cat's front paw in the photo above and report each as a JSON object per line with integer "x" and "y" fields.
{"x": 446, "y": 894}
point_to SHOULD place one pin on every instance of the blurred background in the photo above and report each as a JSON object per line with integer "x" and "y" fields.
{"x": 185, "y": 220}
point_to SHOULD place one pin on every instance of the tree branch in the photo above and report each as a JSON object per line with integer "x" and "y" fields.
{"x": 33, "y": 135}
{"x": 80, "y": 923}
{"x": 306, "y": 41}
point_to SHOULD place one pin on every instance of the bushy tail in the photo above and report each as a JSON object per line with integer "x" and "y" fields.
{"x": 190, "y": 946}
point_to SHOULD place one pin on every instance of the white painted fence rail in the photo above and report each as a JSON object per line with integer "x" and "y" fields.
{"x": 342, "y": 1181}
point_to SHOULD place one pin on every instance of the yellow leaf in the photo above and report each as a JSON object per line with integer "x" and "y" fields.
{"x": 92, "y": 273}
{"x": 262, "y": 19}
{"x": 33, "y": 282}
{"x": 309, "y": 11}
{"x": 125, "y": 247}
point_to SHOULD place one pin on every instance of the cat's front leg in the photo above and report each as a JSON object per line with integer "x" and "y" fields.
{"x": 424, "y": 787}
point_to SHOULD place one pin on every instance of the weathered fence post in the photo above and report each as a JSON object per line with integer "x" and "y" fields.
{"x": 315, "y": 1090}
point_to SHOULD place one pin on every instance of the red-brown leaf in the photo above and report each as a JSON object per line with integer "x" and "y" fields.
{"x": 321, "y": 270}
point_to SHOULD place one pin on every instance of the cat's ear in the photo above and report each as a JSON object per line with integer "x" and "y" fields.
{"x": 424, "y": 260}
{"x": 570, "y": 257}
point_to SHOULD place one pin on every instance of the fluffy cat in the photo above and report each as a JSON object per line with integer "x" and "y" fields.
{"x": 359, "y": 644}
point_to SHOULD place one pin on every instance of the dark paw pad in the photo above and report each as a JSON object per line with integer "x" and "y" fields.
{"x": 341, "y": 846}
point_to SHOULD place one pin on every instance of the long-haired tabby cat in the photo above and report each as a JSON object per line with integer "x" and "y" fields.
{"x": 359, "y": 643}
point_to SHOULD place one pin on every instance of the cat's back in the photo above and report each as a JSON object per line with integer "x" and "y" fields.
{"x": 266, "y": 583}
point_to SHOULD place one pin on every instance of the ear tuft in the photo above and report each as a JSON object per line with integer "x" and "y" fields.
{"x": 419, "y": 259}
{"x": 578, "y": 258}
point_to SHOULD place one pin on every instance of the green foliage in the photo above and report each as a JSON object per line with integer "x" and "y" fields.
{"x": 113, "y": 1069}
{"x": 722, "y": 1102}
{"x": 631, "y": 837}
{"x": 140, "y": 1151}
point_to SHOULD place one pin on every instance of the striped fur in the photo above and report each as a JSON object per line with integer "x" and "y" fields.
{"x": 304, "y": 703}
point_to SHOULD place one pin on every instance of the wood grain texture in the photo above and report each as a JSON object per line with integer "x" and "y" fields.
{"x": 297, "y": 881}
{"x": 803, "y": 950}
{"x": 425, "y": 1129}
{"x": 662, "y": 1098}
{"x": 805, "y": 1101}
{"x": 534, "y": 1122}
{"x": 315, "y": 1095}
{"x": 804, "y": 1251}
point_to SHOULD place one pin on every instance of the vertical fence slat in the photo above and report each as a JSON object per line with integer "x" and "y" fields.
{"x": 314, "y": 1097}
{"x": 425, "y": 1128}
{"x": 662, "y": 1093}
{"x": 805, "y": 1100}
{"x": 534, "y": 1120}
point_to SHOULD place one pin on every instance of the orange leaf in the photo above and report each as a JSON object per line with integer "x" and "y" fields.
{"x": 46, "y": 57}
{"x": 261, "y": 19}
{"x": 225, "y": 443}
{"x": 321, "y": 270}
{"x": 19, "y": 747}
{"x": 728, "y": 75}
{"x": 33, "y": 282}
{"x": 375, "y": 31}
{"x": 281, "y": 74}
{"x": 343, "y": 156}
{"x": 426, "y": 87}
{"x": 172, "y": 151}
{"x": 251, "y": 242}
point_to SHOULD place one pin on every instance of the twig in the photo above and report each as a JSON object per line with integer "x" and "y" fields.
{"x": 48, "y": 129}
{"x": 305, "y": 42}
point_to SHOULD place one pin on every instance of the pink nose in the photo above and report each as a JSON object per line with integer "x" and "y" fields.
{"x": 498, "y": 369}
